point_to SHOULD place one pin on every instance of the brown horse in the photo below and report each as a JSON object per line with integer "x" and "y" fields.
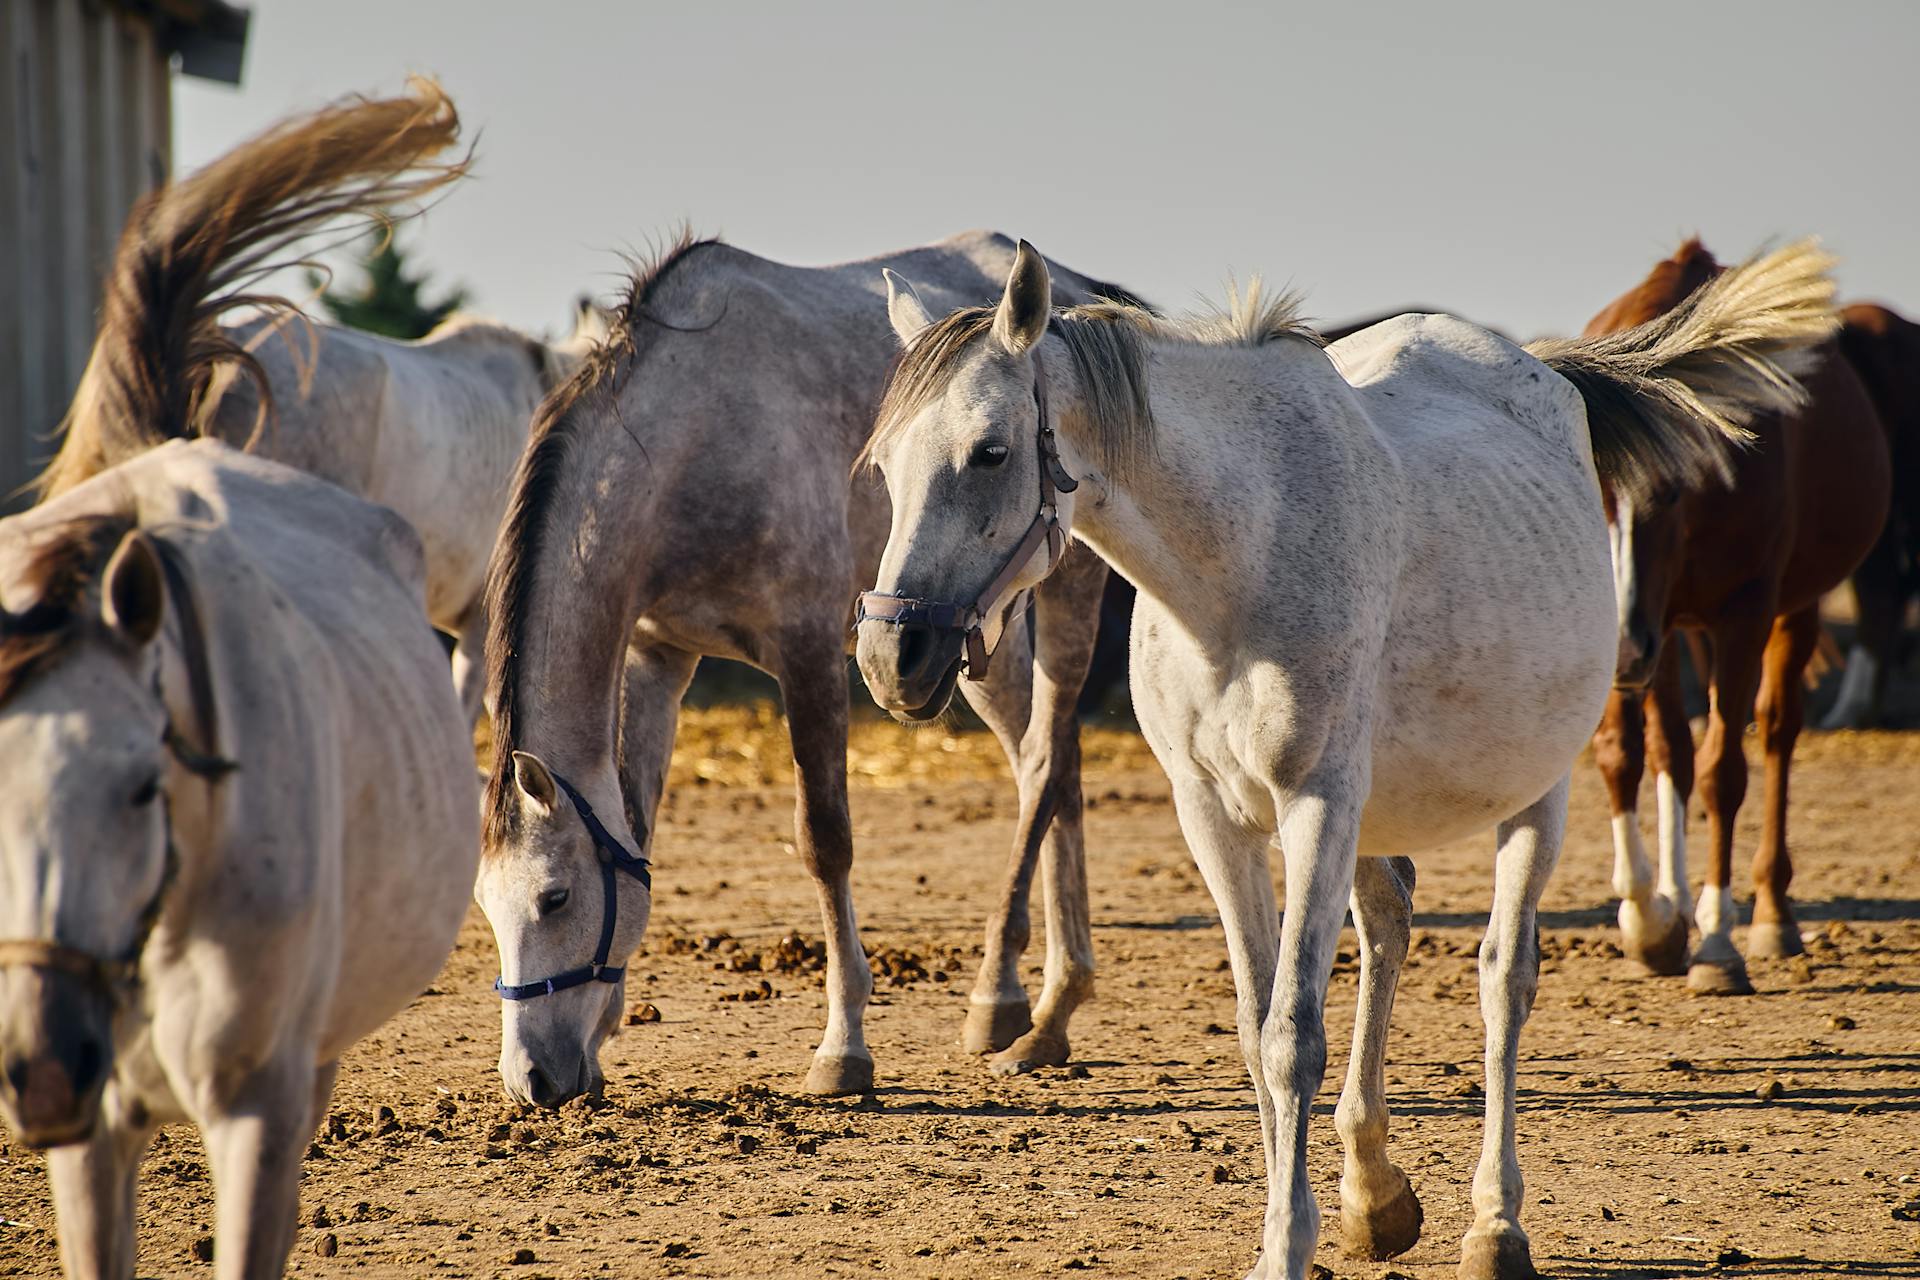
{"x": 1741, "y": 560}
{"x": 1884, "y": 349}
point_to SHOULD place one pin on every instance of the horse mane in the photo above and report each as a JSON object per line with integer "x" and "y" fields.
{"x": 1669, "y": 284}
{"x": 1108, "y": 345}
{"x": 193, "y": 250}
{"x": 530, "y": 509}
{"x": 59, "y": 577}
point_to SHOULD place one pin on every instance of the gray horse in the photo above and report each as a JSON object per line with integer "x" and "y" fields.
{"x": 689, "y": 493}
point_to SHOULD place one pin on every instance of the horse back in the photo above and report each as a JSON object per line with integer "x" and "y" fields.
{"x": 1884, "y": 349}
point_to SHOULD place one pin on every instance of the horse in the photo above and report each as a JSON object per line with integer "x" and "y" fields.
{"x": 1884, "y": 349}
{"x": 237, "y": 828}
{"x": 431, "y": 428}
{"x": 689, "y": 493}
{"x": 1374, "y": 614}
{"x": 1741, "y": 559}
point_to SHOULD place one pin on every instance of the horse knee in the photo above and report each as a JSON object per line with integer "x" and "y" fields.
{"x": 1293, "y": 1050}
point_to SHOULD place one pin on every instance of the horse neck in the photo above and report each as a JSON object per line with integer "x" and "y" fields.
{"x": 1224, "y": 479}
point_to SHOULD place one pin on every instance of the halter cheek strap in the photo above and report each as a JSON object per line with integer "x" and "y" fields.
{"x": 999, "y": 596}
{"x": 613, "y": 856}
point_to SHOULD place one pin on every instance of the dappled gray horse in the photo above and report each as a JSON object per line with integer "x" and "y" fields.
{"x": 688, "y": 493}
{"x": 1375, "y": 614}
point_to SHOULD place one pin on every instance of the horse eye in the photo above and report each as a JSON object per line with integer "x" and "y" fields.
{"x": 552, "y": 900}
{"x": 149, "y": 791}
{"x": 988, "y": 455}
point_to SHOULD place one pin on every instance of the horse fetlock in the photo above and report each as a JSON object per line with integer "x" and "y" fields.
{"x": 1654, "y": 932}
{"x": 1376, "y": 1226}
{"x": 837, "y": 1075}
{"x": 1498, "y": 1254}
{"x": 995, "y": 1026}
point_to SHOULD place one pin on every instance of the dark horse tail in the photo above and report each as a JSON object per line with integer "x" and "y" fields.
{"x": 1668, "y": 400}
{"x": 194, "y": 249}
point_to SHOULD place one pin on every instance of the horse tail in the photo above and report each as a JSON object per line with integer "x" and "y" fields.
{"x": 1668, "y": 400}
{"x": 193, "y": 249}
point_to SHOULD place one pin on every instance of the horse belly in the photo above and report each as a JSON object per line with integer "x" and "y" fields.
{"x": 1497, "y": 666}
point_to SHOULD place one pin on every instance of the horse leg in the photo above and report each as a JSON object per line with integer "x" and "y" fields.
{"x": 1648, "y": 921}
{"x": 1737, "y": 642}
{"x": 1319, "y": 837}
{"x": 470, "y": 661}
{"x": 255, "y": 1138}
{"x": 1781, "y": 713}
{"x": 1669, "y": 753}
{"x": 1232, "y": 858}
{"x": 93, "y": 1190}
{"x": 653, "y": 682}
{"x": 1878, "y": 601}
{"x": 1495, "y": 1247}
{"x": 1047, "y": 768}
{"x": 813, "y": 684}
{"x": 1380, "y": 1216}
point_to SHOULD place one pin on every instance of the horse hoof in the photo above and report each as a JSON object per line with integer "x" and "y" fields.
{"x": 1386, "y": 1232}
{"x": 835, "y": 1077}
{"x": 1773, "y": 940}
{"x": 992, "y": 1027}
{"x": 1719, "y": 978}
{"x": 1031, "y": 1050}
{"x": 1503, "y": 1257}
{"x": 1666, "y": 954}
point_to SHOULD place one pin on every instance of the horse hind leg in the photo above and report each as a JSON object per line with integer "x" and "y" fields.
{"x": 94, "y": 1185}
{"x": 1780, "y": 712}
{"x": 1380, "y": 1216}
{"x": 469, "y": 662}
{"x": 1879, "y": 600}
{"x": 1649, "y": 922}
{"x": 813, "y": 683}
{"x": 1495, "y": 1247}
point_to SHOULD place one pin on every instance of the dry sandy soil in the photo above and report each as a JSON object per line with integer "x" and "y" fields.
{"x": 1662, "y": 1135}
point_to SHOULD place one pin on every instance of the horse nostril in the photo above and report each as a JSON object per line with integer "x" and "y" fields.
{"x": 88, "y": 1060}
{"x": 541, "y": 1089}
{"x": 915, "y": 644}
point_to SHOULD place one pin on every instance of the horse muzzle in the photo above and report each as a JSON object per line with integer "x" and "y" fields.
{"x": 911, "y": 666}
{"x": 56, "y": 1052}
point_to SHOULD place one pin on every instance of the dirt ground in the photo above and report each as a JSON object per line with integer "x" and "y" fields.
{"x": 1661, "y": 1134}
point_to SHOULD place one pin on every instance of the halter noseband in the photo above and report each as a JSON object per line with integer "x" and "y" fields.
{"x": 118, "y": 975}
{"x": 613, "y": 856}
{"x": 941, "y": 615}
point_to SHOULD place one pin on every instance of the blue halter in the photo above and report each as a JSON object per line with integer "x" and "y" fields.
{"x": 613, "y": 856}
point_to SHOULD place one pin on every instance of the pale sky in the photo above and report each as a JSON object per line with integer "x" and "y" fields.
{"x": 1519, "y": 163}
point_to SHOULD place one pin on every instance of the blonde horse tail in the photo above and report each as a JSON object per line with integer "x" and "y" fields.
{"x": 196, "y": 248}
{"x": 1669, "y": 400}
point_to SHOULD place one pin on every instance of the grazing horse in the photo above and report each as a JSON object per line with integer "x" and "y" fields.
{"x": 1884, "y": 349}
{"x": 1742, "y": 559}
{"x": 688, "y": 493}
{"x": 1373, "y": 615}
{"x": 237, "y": 828}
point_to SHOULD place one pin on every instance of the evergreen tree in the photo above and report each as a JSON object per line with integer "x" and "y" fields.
{"x": 389, "y": 300}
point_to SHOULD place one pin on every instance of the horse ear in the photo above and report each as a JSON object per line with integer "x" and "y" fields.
{"x": 535, "y": 780}
{"x": 133, "y": 598}
{"x": 1027, "y": 305}
{"x": 904, "y": 308}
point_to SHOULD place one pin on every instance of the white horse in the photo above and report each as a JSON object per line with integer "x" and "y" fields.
{"x": 1375, "y": 614}
{"x": 237, "y": 828}
{"x": 431, "y": 428}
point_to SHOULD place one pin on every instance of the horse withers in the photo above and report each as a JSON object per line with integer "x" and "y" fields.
{"x": 1740, "y": 558}
{"x": 1374, "y": 614}
{"x": 237, "y": 828}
